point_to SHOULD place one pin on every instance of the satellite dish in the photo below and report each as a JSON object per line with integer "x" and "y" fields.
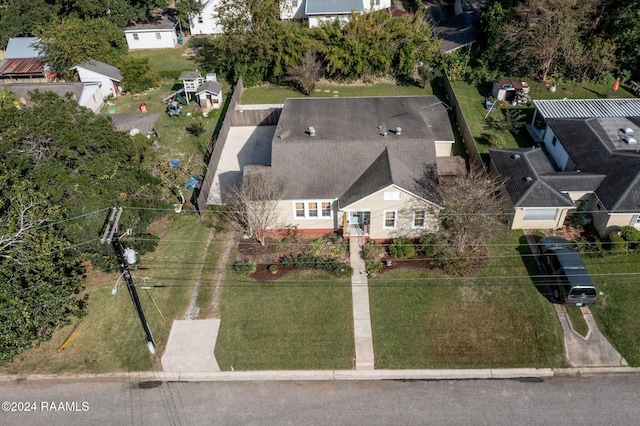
{"x": 134, "y": 132}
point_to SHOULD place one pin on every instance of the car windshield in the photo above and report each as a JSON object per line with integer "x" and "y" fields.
{"x": 583, "y": 292}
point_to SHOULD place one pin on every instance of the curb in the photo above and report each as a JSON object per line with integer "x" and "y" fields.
{"x": 337, "y": 375}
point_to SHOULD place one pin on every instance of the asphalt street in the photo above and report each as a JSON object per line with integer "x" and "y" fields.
{"x": 596, "y": 400}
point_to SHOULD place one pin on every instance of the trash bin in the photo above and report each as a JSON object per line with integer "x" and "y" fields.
{"x": 143, "y": 107}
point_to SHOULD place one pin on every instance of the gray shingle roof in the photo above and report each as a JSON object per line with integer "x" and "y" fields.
{"x": 349, "y": 147}
{"x": 102, "y": 68}
{"x": 189, "y": 75}
{"x": 619, "y": 191}
{"x": 22, "y": 90}
{"x": 325, "y": 7}
{"x": 209, "y": 86}
{"x": 145, "y": 123}
{"x": 526, "y": 171}
{"x": 588, "y": 108}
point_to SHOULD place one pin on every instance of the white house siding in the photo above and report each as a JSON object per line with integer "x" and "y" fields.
{"x": 91, "y": 98}
{"x": 287, "y": 217}
{"x": 107, "y": 86}
{"x": 404, "y": 208}
{"x": 443, "y": 148}
{"x": 205, "y": 23}
{"x": 519, "y": 222}
{"x": 557, "y": 151}
{"x": 292, "y": 9}
{"x": 151, "y": 39}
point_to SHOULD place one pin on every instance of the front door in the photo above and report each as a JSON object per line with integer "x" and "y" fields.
{"x": 357, "y": 218}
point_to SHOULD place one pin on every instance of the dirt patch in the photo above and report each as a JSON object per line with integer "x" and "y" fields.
{"x": 418, "y": 262}
{"x": 571, "y": 233}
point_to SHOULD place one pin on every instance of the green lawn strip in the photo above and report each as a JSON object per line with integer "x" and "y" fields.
{"x": 422, "y": 319}
{"x": 210, "y": 274}
{"x": 166, "y": 60}
{"x": 303, "y": 321}
{"x": 110, "y": 336}
{"x": 577, "y": 320}
{"x": 271, "y": 94}
{"x": 616, "y": 308}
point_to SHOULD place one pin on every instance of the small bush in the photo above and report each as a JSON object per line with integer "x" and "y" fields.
{"x": 273, "y": 268}
{"x": 282, "y": 243}
{"x": 373, "y": 268}
{"x": 335, "y": 267}
{"x": 618, "y": 244}
{"x": 245, "y": 267}
{"x": 196, "y": 129}
{"x": 315, "y": 246}
{"x": 431, "y": 244}
{"x": 631, "y": 236}
{"x": 373, "y": 251}
{"x": 402, "y": 248}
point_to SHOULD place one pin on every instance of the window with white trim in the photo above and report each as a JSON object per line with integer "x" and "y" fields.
{"x": 158, "y": 36}
{"x": 200, "y": 19}
{"x": 326, "y": 209}
{"x": 540, "y": 214}
{"x": 294, "y": 3}
{"x": 419, "y": 219}
{"x": 390, "y": 219}
{"x": 312, "y": 209}
{"x": 135, "y": 36}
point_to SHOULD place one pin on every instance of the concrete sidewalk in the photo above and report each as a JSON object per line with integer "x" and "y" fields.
{"x": 361, "y": 316}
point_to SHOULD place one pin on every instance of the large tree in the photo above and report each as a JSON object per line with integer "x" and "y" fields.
{"x": 23, "y": 17}
{"x": 39, "y": 276}
{"x": 68, "y": 42}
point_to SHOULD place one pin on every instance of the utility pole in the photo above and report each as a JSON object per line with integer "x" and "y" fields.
{"x": 127, "y": 257}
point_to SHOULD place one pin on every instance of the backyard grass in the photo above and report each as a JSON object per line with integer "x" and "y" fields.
{"x": 271, "y": 94}
{"x": 110, "y": 337}
{"x": 616, "y": 308}
{"x": 472, "y": 97}
{"x": 497, "y": 319}
{"x": 167, "y": 60}
{"x": 301, "y": 322}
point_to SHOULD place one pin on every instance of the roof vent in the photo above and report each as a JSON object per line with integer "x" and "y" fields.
{"x": 311, "y": 131}
{"x": 398, "y": 131}
{"x": 516, "y": 156}
{"x": 630, "y": 141}
{"x": 528, "y": 179}
{"x": 627, "y": 130}
{"x": 383, "y": 134}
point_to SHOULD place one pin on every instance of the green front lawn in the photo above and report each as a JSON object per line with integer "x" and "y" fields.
{"x": 616, "y": 308}
{"x": 497, "y": 319}
{"x": 301, "y": 322}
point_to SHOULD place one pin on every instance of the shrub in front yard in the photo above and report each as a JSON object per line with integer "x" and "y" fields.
{"x": 335, "y": 267}
{"x": 631, "y": 236}
{"x": 431, "y": 244}
{"x": 373, "y": 267}
{"x": 402, "y": 248}
{"x": 245, "y": 267}
{"x": 617, "y": 243}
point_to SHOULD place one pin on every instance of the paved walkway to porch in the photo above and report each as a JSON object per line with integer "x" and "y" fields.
{"x": 361, "y": 315}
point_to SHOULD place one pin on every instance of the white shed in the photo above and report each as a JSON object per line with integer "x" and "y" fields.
{"x": 209, "y": 95}
{"x": 106, "y": 76}
{"x": 160, "y": 34}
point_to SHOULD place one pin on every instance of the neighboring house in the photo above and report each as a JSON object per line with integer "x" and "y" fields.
{"x": 205, "y": 21}
{"x": 136, "y": 124}
{"x": 590, "y": 160}
{"x": 458, "y": 30}
{"x": 159, "y": 34}
{"x": 86, "y": 94}
{"x": 104, "y": 75}
{"x": 23, "y": 61}
{"x": 356, "y": 165}
{"x": 209, "y": 96}
{"x": 317, "y": 11}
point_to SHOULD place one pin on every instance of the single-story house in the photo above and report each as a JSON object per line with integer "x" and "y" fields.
{"x": 358, "y": 165}
{"x": 104, "y": 75}
{"x": 209, "y": 95}
{"x": 23, "y": 61}
{"x": 86, "y": 94}
{"x": 136, "y": 124}
{"x": 317, "y": 11}
{"x": 589, "y": 161}
{"x": 205, "y": 21}
{"x": 161, "y": 33}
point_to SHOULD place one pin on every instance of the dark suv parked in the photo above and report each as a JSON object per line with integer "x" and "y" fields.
{"x": 565, "y": 270}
